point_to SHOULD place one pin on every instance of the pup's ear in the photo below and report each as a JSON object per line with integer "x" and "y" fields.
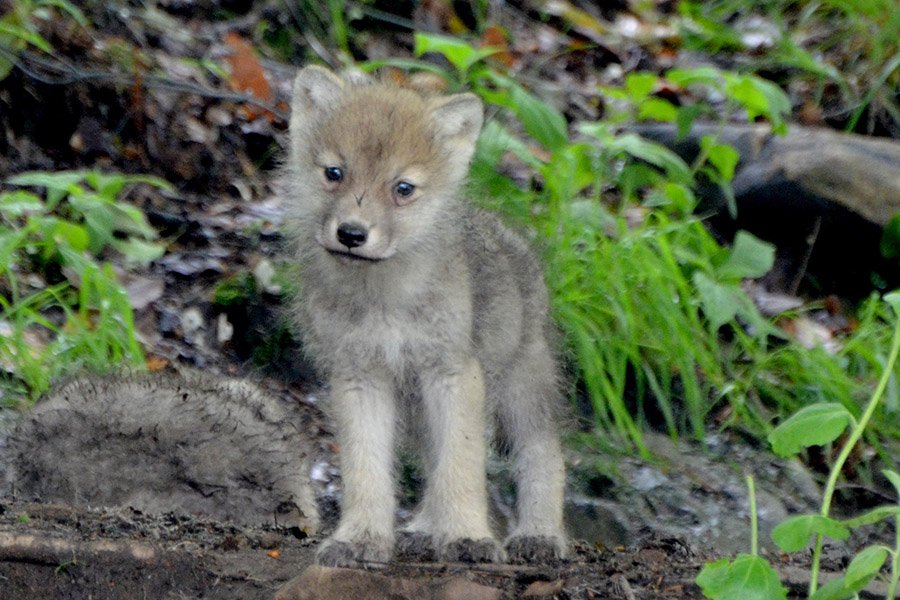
{"x": 316, "y": 92}
{"x": 458, "y": 121}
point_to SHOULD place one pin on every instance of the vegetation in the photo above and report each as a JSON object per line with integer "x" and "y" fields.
{"x": 816, "y": 425}
{"x": 651, "y": 303}
{"x": 658, "y": 326}
{"x": 64, "y": 310}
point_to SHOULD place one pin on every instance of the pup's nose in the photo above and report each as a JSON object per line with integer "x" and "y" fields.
{"x": 352, "y": 235}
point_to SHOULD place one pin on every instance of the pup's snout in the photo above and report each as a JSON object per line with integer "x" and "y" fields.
{"x": 352, "y": 235}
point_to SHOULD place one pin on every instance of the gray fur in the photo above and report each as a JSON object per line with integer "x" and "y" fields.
{"x": 159, "y": 443}
{"x": 447, "y": 320}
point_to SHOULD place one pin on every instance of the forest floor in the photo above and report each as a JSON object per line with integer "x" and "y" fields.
{"x": 95, "y": 105}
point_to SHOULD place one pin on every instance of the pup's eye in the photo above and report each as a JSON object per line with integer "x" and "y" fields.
{"x": 404, "y": 189}
{"x": 334, "y": 173}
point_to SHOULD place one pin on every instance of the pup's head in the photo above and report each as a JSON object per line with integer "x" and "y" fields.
{"x": 374, "y": 169}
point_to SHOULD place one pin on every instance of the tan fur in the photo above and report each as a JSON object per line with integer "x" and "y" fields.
{"x": 420, "y": 305}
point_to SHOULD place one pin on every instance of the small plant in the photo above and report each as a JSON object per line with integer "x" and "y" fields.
{"x": 61, "y": 308}
{"x": 817, "y": 425}
{"x": 18, "y": 28}
{"x": 861, "y": 37}
{"x": 749, "y": 576}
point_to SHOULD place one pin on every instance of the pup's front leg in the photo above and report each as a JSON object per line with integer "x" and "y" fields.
{"x": 454, "y": 510}
{"x": 365, "y": 413}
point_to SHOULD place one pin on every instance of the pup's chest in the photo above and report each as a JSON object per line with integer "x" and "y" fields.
{"x": 398, "y": 337}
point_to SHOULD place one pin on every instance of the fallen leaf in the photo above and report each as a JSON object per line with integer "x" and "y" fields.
{"x": 247, "y": 74}
{"x": 495, "y": 37}
{"x": 156, "y": 363}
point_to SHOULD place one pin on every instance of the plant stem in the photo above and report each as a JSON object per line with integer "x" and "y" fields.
{"x": 754, "y": 525}
{"x": 855, "y": 435}
{"x": 895, "y": 566}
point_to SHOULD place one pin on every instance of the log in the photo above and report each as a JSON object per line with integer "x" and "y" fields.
{"x": 821, "y": 197}
{"x": 856, "y": 172}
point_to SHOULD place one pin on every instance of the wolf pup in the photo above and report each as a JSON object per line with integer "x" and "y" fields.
{"x": 416, "y": 303}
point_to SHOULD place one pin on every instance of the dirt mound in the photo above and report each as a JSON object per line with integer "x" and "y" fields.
{"x": 162, "y": 443}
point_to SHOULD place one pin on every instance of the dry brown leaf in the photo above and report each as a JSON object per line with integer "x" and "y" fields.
{"x": 247, "y": 74}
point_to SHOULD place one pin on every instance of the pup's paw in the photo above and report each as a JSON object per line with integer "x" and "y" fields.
{"x": 339, "y": 553}
{"x": 415, "y": 546}
{"x": 535, "y": 548}
{"x": 473, "y": 551}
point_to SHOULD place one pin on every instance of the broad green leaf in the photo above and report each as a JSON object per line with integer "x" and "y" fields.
{"x": 686, "y": 77}
{"x": 722, "y": 156}
{"x": 58, "y": 185}
{"x": 720, "y": 302}
{"x": 19, "y": 202}
{"x": 138, "y": 251}
{"x": 107, "y": 186}
{"x": 749, "y": 257}
{"x": 747, "y": 577}
{"x": 657, "y": 109}
{"x": 540, "y": 120}
{"x": 460, "y": 54}
{"x": 639, "y": 85}
{"x": 129, "y": 219}
{"x": 654, "y": 154}
{"x": 864, "y": 567}
{"x": 70, "y": 234}
{"x": 813, "y": 425}
{"x": 793, "y": 534}
{"x": 495, "y": 141}
{"x": 833, "y": 590}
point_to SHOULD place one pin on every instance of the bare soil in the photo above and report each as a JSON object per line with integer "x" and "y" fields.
{"x": 54, "y": 551}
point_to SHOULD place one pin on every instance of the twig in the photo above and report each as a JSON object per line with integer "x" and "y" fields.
{"x": 810, "y": 244}
{"x": 59, "y": 72}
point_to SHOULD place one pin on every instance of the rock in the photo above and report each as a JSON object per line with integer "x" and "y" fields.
{"x": 327, "y": 583}
{"x": 219, "y": 448}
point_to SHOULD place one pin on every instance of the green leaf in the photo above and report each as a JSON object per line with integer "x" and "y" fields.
{"x": 812, "y": 425}
{"x": 59, "y": 184}
{"x": 460, "y": 54}
{"x": 21, "y": 33}
{"x": 893, "y": 477}
{"x": 541, "y": 121}
{"x": 138, "y": 251}
{"x": 893, "y": 298}
{"x": 67, "y": 7}
{"x": 833, "y": 590}
{"x": 19, "y": 202}
{"x": 864, "y": 567}
{"x": 657, "y": 109}
{"x": 654, "y": 154}
{"x": 793, "y": 534}
{"x": 720, "y": 302}
{"x": 639, "y": 85}
{"x": 722, "y": 156}
{"x": 750, "y": 257}
{"x": 70, "y": 234}
{"x": 747, "y": 577}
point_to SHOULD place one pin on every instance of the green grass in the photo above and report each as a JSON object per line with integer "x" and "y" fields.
{"x": 650, "y": 303}
{"x": 61, "y": 305}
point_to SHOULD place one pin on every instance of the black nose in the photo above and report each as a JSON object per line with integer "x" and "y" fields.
{"x": 351, "y": 235}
